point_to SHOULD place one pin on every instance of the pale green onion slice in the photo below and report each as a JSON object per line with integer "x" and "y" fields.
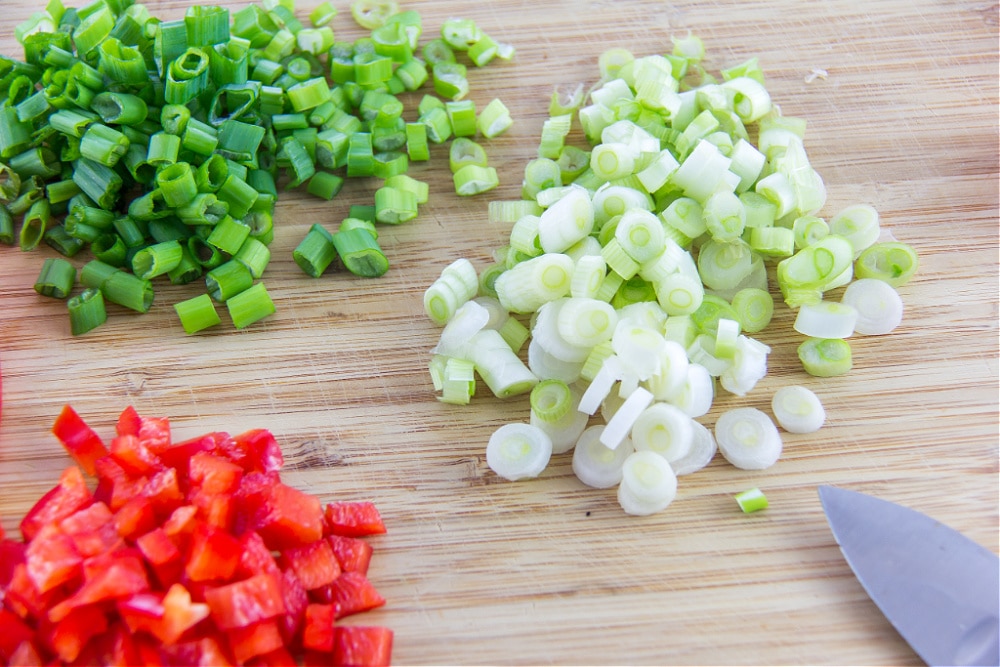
{"x": 808, "y": 229}
{"x": 613, "y": 200}
{"x": 524, "y": 235}
{"x": 648, "y": 484}
{"x": 545, "y": 329}
{"x": 755, "y": 308}
{"x": 494, "y": 119}
{"x": 586, "y": 322}
{"x": 568, "y": 221}
{"x": 518, "y": 451}
{"x": 497, "y": 315}
{"x": 468, "y": 320}
{"x": 528, "y": 285}
{"x": 891, "y": 261}
{"x": 702, "y": 173}
{"x": 858, "y": 224}
{"x": 640, "y": 234}
{"x": 726, "y": 336}
{"x": 748, "y": 368}
{"x": 609, "y": 373}
{"x": 588, "y": 274}
{"x": 751, "y": 101}
{"x": 697, "y": 393}
{"x": 751, "y": 500}
{"x": 546, "y": 366}
{"x": 779, "y": 191}
{"x": 725, "y": 216}
{"x": 878, "y": 306}
{"x": 702, "y": 351}
{"x": 819, "y": 266}
{"x": 825, "y": 357}
{"x": 665, "y": 429}
{"x": 672, "y": 374}
{"x": 499, "y": 367}
{"x": 457, "y": 284}
{"x": 748, "y": 438}
{"x": 826, "y": 319}
{"x": 797, "y": 409}
{"x": 619, "y": 426}
{"x": 643, "y": 313}
{"x": 701, "y": 453}
{"x": 553, "y": 409}
{"x": 597, "y": 465}
{"x": 746, "y": 162}
{"x": 458, "y": 381}
{"x": 724, "y": 264}
{"x": 679, "y": 294}
{"x": 656, "y": 174}
{"x": 638, "y": 348}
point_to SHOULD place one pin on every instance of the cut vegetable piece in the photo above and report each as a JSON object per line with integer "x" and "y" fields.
{"x": 798, "y": 409}
{"x": 597, "y": 465}
{"x": 878, "y": 306}
{"x": 664, "y": 429}
{"x": 701, "y": 453}
{"x": 620, "y": 425}
{"x": 826, "y": 319}
{"x": 518, "y": 451}
{"x": 648, "y": 484}
{"x": 748, "y": 438}
{"x": 825, "y": 357}
{"x": 553, "y": 409}
{"x": 892, "y": 262}
{"x": 751, "y": 500}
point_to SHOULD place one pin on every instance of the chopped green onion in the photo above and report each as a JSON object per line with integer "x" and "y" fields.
{"x": 877, "y": 306}
{"x": 86, "y": 311}
{"x": 473, "y": 179}
{"x": 892, "y": 262}
{"x": 315, "y": 251}
{"x": 751, "y": 500}
{"x": 797, "y": 409}
{"x": 250, "y": 305}
{"x": 748, "y": 438}
{"x": 56, "y": 279}
{"x": 826, "y": 319}
{"x": 518, "y": 451}
{"x": 197, "y": 313}
{"x": 648, "y": 484}
{"x": 36, "y": 221}
{"x": 825, "y": 357}
{"x": 360, "y": 253}
{"x": 157, "y": 259}
{"x": 228, "y": 279}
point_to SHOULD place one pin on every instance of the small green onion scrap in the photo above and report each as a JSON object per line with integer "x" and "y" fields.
{"x": 751, "y": 500}
{"x": 161, "y": 145}
{"x": 644, "y": 264}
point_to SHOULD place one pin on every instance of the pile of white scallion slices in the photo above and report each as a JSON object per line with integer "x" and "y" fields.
{"x": 636, "y": 275}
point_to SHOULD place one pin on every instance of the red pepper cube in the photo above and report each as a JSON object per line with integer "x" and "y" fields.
{"x": 13, "y": 631}
{"x": 52, "y": 559}
{"x": 115, "y": 487}
{"x": 180, "y": 614}
{"x": 11, "y": 554}
{"x": 243, "y": 603}
{"x": 164, "y": 491}
{"x": 353, "y": 593}
{"x": 23, "y": 598}
{"x": 142, "y": 612}
{"x": 154, "y": 433}
{"x": 92, "y": 530}
{"x": 136, "y": 517}
{"x": 296, "y": 600}
{"x": 289, "y": 518}
{"x": 202, "y": 651}
{"x": 256, "y": 558}
{"x": 213, "y": 554}
{"x": 278, "y": 658}
{"x": 317, "y": 635}
{"x": 213, "y": 474}
{"x": 261, "y": 450}
{"x": 356, "y": 519}
{"x": 81, "y": 441}
{"x": 67, "y": 638}
{"x": 162, "y": 555}
{"x": 128, "y": 422}
{"x": 117, "y": 647}
{"x": 134, "y": 456}
{"x": 69, "y": 496}
{"x": 179, "y": 455}
{"x": 109, "y": 576}
{"x": 362, "y": 646}
{"x": 26, "y": 654}
{"x": 353, "y": 554}
{"x": 313, "y": 564}
{"x": 258, "y": 639}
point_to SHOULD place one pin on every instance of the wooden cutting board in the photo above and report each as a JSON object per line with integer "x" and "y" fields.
{"x": 547, "y": 571}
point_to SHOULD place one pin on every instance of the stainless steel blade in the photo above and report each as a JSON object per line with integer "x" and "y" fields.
{"x": 938, "y": 588}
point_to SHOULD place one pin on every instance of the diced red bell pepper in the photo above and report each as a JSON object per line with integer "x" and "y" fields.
{"x": 23, "y": 598}
{"x": 13, "y": 631}
{"x": 353, "y": 554}
{"x": 11, "y": 554}
{"x": 289, "y": 518}
{"x": 67, "y": 638}
{"x": 81, "y": 441}
{"x": 163, "y": 489}
{"x": 128, "y": 422}
{"x": 162, "y": 554}
{"x": 117, "y": 647}
{"x": 207, "y": 651}
{"x": 181, "y": 522}
{"x": 317, "y": 635}
{"x": 154, "y": 432}
{"x": 142, "y": 612}
{"x": 25, "y": 655}
{"x": 258, "y": 639}
{"x": 213, "y": 554}
{"x": 243, "y": 603}
{"x": 256, "y": 558}
{"x": 296, "y": 600}
{"x": 218, "y": 510}
{"x": 352, "y": 519}
{"x": 69, "y": 496}
{"x": 136, "y": 517}
{"x": 362, "y": 646}
{"x": 314, "y": 564}
{"x": 135, "y": 456}
{"x": 213, "y": 474}
{"x": 52, "y": 559}
{"x": 109, "y": 576}
{"x": 352, "y": 593}
{"x": 180, "y": 614}
{"x": 179, "y": 454}
{"x": 279, "y": 658}
{"x": 115, "y": 487}
{"x": 92, "y": 530}
{"x": 261, "y": 451}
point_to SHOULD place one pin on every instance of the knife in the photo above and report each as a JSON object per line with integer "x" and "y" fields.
{"x": 938, "y": 588}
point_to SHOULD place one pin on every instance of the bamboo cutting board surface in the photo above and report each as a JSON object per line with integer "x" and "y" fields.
{"x": 547, "y": 571}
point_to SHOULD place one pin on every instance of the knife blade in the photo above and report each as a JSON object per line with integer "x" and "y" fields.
{"x": 938, "y": 588}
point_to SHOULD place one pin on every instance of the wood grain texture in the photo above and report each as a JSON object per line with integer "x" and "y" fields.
{"x": 549, "y": 572}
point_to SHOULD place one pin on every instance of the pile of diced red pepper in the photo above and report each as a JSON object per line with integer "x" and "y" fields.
{"x": 190, "y": 553}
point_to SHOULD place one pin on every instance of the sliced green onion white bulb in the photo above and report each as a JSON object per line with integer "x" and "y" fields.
{"x": 798, "y": 409}
{"x": 518, "y": 451}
